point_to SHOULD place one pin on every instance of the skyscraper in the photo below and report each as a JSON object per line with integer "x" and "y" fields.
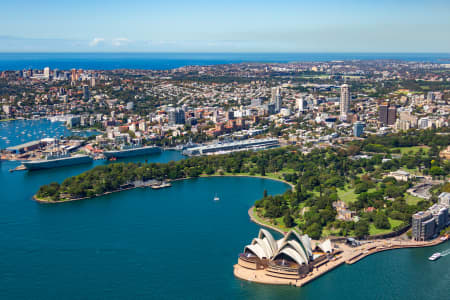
{"x": 344, "y": 102}
{"x": 383, "y": 113}
{"x": 276, "y": 99}
{"x": 47, "y": 72}
{"x": 300, "y": 104}
{"x": 387, "y": 114}
{"x": 85, "y": 92}
{"x": 358, "y": 128}
{"x": 392, "y": 115}
{"x": 176, "y": 116}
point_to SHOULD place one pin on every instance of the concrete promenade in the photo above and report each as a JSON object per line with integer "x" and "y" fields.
{"x": 349, "y": 255}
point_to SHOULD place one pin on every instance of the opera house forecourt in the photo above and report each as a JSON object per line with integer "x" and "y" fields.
{"x": 284, "y": 261}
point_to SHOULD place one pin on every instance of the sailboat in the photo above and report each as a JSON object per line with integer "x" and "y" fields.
{"x": 216, "y": 198}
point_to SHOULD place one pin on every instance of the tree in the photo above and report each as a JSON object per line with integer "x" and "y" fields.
{"x": 381, "y": 221}
{"x": 362, "y": 228}
{"x": 288, "y": 221}
{"x": 314, "y": 231}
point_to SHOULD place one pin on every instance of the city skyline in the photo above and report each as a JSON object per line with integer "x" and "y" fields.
{"x": 249, "y": 26}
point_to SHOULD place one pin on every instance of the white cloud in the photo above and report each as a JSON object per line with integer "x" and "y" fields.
{"x": 96, "y": 41}
{"x": 117, "y": 42}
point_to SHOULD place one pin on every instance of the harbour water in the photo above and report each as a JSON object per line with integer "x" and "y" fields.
{"x": 175, "y": 243}
{"x": 17, "y": 132}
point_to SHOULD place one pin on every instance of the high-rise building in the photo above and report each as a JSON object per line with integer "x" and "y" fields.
{"x": 47, "y": 72}
{"x": 383, "y": 113}
{"x": 176, "y": 116}
{"x": 422, "y": 226}
{"x": 300, "y": 104}
{"x": 344, "y": 102}
{"x": 358, "y": 128}
{"x": 392, "y": 115}
{"x": 85, "y": 92}
{"x": 73, "y": 75}
{"x": 276, "y": 99}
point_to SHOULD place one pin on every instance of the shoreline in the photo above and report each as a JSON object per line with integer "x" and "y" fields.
{"x": 43, "y": 201}
{"x": 348, "y": 256}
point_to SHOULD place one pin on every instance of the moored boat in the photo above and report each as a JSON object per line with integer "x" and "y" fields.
{"x": 131, "y": 151}
{"x": 56, "y": 161}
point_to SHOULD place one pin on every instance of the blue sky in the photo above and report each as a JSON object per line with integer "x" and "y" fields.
{"x": 225, "y": 26}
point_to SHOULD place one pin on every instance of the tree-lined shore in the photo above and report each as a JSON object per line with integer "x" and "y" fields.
{"x": 320, "y": 177}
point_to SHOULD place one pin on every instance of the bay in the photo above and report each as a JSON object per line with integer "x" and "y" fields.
{"x": 174, "y": 243}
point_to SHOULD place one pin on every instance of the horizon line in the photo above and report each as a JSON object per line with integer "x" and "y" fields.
{"x": 225, "y": 52}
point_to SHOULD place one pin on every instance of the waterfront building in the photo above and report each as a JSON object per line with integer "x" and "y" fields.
{"x": 422, "y": 226}
{"x": 426, "y": 224}
{"x": 290, "y": 257}
{"x": 358, "y": 129}
{"x": 73, "y": 121}
{"x": 250, "y": 144}
{"x": 344, "y": 101}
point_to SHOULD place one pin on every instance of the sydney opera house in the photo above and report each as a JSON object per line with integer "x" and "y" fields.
{"x": 291, "y": 257}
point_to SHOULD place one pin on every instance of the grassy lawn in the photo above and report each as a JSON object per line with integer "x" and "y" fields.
{"x": 412, "y": 200}
{"x": 413, "y": 149}
{"x": 328, "y": 232}
{"x": 348, "y": 195}
{"x": 374, "y": 231}
{"x": 280, "y": 224}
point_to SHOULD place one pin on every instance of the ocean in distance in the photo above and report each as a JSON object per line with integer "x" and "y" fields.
{"x": 174, "y": 243}
{"x": 164, "y": 61}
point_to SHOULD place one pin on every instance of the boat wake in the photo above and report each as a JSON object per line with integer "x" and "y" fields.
{"x": 445, "y": 253}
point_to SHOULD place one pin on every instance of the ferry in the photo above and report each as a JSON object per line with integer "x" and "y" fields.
{"x": 435, "y": 256}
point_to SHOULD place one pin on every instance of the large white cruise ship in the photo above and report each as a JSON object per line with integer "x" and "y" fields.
{"x": 132, "y": 151}
{"x": 57, "y": 160}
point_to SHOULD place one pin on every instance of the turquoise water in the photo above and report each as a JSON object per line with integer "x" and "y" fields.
{"x": 174, "y": 243}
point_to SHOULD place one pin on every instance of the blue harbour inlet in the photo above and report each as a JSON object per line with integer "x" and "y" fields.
{"x": 175, "y": 243}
